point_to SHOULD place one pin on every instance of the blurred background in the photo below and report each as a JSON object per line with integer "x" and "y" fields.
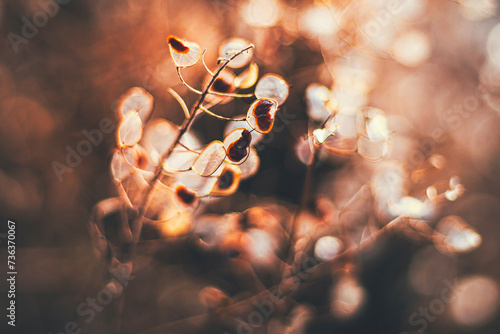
{"x": 432, "y": 66}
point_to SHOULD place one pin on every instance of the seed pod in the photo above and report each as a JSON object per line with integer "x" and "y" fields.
{"x": 272, "y": 86}
{"x": 183, "y": 53}
{"x": 237, "y": 144}
{"x": 261, "y": 115}
{"x": 210, "y": 159}
{"x": 228, "y": 181}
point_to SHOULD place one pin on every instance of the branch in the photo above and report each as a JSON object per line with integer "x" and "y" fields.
{"x": 137, "y": 222}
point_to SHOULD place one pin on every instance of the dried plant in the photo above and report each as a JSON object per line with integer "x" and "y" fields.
{"x": 163, "y": 175}
{"x": 160, "y": 172}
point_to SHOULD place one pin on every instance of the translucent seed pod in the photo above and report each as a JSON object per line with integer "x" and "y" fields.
{"x": 227, "y": 182}
{"x": 373, "y": 140}
{"x": 237, "y": 144}
{"x": 247, "y": 78}
{"x": 232, "y": 46}
{"x": 251, "y": 165}
{"x": 183, "y": 53}
{"x": 136, "y": 99}
{"x": 231, "y": 126}
{"x": 201, "y": 185}
{"x": 372, "y": 151}
{"x": 261, "y": 115}
{"x": 184, "y": 198}
{"x": 129, "y": 130}
{"x": 120, "y": 167}
{"x": 411, "y": 207}
{"x": 343, "y": 140}
{"x": 160, "y": 135}
{"x": 223, "y": 84}
{"x": 272, "y": 86}
{"x": 210, "y": 159}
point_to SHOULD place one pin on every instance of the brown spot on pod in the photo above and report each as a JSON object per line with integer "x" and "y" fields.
{"x": 222, "y": 86}
{"x": 228, "y": 181}
{"x": 184, "y": 195}
{"x": 177, "y": 45}
{"x": 238, "y": 150}
{"x": 263, "y": 114}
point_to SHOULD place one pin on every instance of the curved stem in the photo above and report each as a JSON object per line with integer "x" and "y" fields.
{"x": 187, "y": 148}
{"x": 186, "y": 84}
{"x": 180, "y": 100}
{"x": 211, "y": 92}
{"x": 237, "y": 95}
{"x": 204, "y": 64}
{"x": 221, "y": 117}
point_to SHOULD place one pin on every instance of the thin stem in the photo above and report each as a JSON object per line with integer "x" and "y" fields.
{"x": 189, "y": 149}
{"x": 221, "y": 117}
{"x": 204, "y": 64}
{"x": 180, "y": 100}
{"x": 186, "y": 84}
{"x": 237, "y": 95}
{"x": 211, "y": 92}
{"x": 124, "y": 196}
{"x": 313, "y": 158}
